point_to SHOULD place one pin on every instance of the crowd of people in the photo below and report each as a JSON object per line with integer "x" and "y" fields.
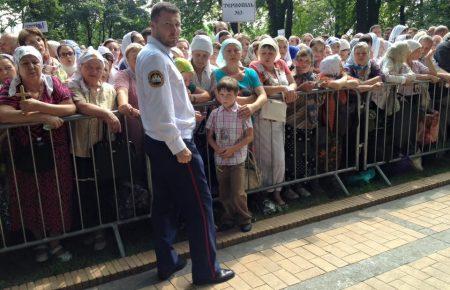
{"x": 253, "y": 80}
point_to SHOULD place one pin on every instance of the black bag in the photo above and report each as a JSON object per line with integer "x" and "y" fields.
{"x": 43, "y": 157}
{"x": 123, "y": 152}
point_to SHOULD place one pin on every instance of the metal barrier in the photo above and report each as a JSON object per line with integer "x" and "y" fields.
{"x": 42, "y": 171}
{"x": 326, "y": 133}
{"x": 398, "y": 119}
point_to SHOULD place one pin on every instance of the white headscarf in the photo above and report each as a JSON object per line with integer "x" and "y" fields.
{"x": 331, "y": 66}
{"x": 203, "y": 43}
{"x": 413, "y": 45}
{"x": 19, "y": 53}
{"x": 375, "y": 45}
{"x": 220, "y": 60}
{"x": 396, "y": 32}
{"x": 271, "y": 42}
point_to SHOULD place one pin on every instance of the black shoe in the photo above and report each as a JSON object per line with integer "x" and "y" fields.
{"x": 225, "y": 227}
{"x": 180, "y": 265}
{"x": 246, "y": 228}
{"x": 222, "y": 276}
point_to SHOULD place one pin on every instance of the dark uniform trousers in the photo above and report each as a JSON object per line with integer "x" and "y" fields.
{"x": 181, "y": 189}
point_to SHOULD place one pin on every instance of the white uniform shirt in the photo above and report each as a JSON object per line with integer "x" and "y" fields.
{"x": 166, "y": 112}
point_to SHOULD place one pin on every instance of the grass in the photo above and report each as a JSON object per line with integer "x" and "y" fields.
{"x": 18, "y": 267}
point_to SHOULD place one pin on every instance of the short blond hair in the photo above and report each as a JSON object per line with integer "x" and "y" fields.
{"x": 133, "y": 47}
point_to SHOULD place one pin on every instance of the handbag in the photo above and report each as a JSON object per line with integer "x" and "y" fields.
{"x": 253, "y": 175}
{"x": 274, "y": 110}
{"x": 121, "y": 152}
{"x": 43, "y": 157}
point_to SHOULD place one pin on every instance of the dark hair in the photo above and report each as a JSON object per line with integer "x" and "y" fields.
{"x": 24, "y": 33}
{"x": 58, "y": 50}
{"x": 374, "y": 26}
{"x": 161, "y": 7}
{"x": 109, "y": 40}
{"x": 366, "y": 38}
{"x": 228, "y": 84}
{"x": 133, "y": 36}
{"x": 223, "y": 33}
{"x": 146, "y": 32}
{"x": 317, "y": 41}
{"x": 109, "y": 57}
{"x": 200, "y": 32}
{"x": 217, "y": 45}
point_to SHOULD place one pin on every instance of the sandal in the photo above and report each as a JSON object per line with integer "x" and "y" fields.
{"x": 60, "y": 253}
{"x": 41, "y": 253}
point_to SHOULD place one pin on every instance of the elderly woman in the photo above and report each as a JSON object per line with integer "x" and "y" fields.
{"x": 44, "y": 207}
{"x": 276, "y": 78}
{"x": 7, "y": 68}
{"x": 129, "y": 38}
{"x": 34, "y": 37}
{"x": 92, "y": 98}
{"x": 125, "y": 85}
{"x": 251, "y": 96}
{"x": 68, "y": 58}
{"x": 202, "y": 49}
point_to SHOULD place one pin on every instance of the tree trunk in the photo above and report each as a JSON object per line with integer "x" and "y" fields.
{"x": 289, "y": 15}
{"x": 402, "y": 15}
{"x": 361, "y": 16}
{"x": 276, "y": 16}
{"x": 373, "y": 12}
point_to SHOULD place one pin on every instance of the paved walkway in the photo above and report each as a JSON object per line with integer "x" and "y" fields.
{"x": 404, "y": 244}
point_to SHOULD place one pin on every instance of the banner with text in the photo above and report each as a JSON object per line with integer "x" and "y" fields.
{"x": 41, "y": 25}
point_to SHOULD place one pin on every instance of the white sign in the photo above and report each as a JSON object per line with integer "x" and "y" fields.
{"x": 41, "y": 25}
{"x": 239, "y": 10}
{"x": 281, "y": 32}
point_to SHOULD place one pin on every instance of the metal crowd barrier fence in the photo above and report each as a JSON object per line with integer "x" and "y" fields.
{"x": 54, "y": 190}
{"x": 326, "y": 133}
{"x": 405, "y": 121}
{"x": 322, "y": 139}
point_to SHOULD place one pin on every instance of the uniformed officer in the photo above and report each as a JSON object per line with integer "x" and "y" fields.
{"x": 178, "y": 176}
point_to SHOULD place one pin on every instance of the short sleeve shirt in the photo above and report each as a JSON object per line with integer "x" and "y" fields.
{"x": 87, "y": 132}
{"x": 229, "y": 130}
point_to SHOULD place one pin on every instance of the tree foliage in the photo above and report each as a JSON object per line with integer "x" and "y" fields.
{"x": 91, "y": 21}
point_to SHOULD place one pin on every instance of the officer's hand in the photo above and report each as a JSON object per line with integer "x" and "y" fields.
{"x": 184, "y": 156}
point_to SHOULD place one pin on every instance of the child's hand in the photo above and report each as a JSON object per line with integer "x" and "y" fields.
{"x": 227, "y": 153}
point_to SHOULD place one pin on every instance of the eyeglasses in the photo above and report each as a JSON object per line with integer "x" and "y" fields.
{"x": 66, "y": 54}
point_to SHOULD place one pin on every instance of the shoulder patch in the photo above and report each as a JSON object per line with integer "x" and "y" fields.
{"x": 155, "y": 79}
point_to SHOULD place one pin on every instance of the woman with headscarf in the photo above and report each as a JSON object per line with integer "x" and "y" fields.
{"x": 97, "y": 99}
{"x": 251, "y": 95}
{"x": 276, "y": 78}
{"x": 68, "y": 58}
{"x": 360, "y": 66}
{"x": 283, "y": 46}
{"x": 396, "y": 32}
{"x": 110, "y": 70}
{"x": 7, "y": 68}
{"x": 127, "y": 101}
{"x": 44, "y": 207}
{"x": 202, "y": 50}
{"x": 34, "y": 37}
{"x": 129, "y": 38}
